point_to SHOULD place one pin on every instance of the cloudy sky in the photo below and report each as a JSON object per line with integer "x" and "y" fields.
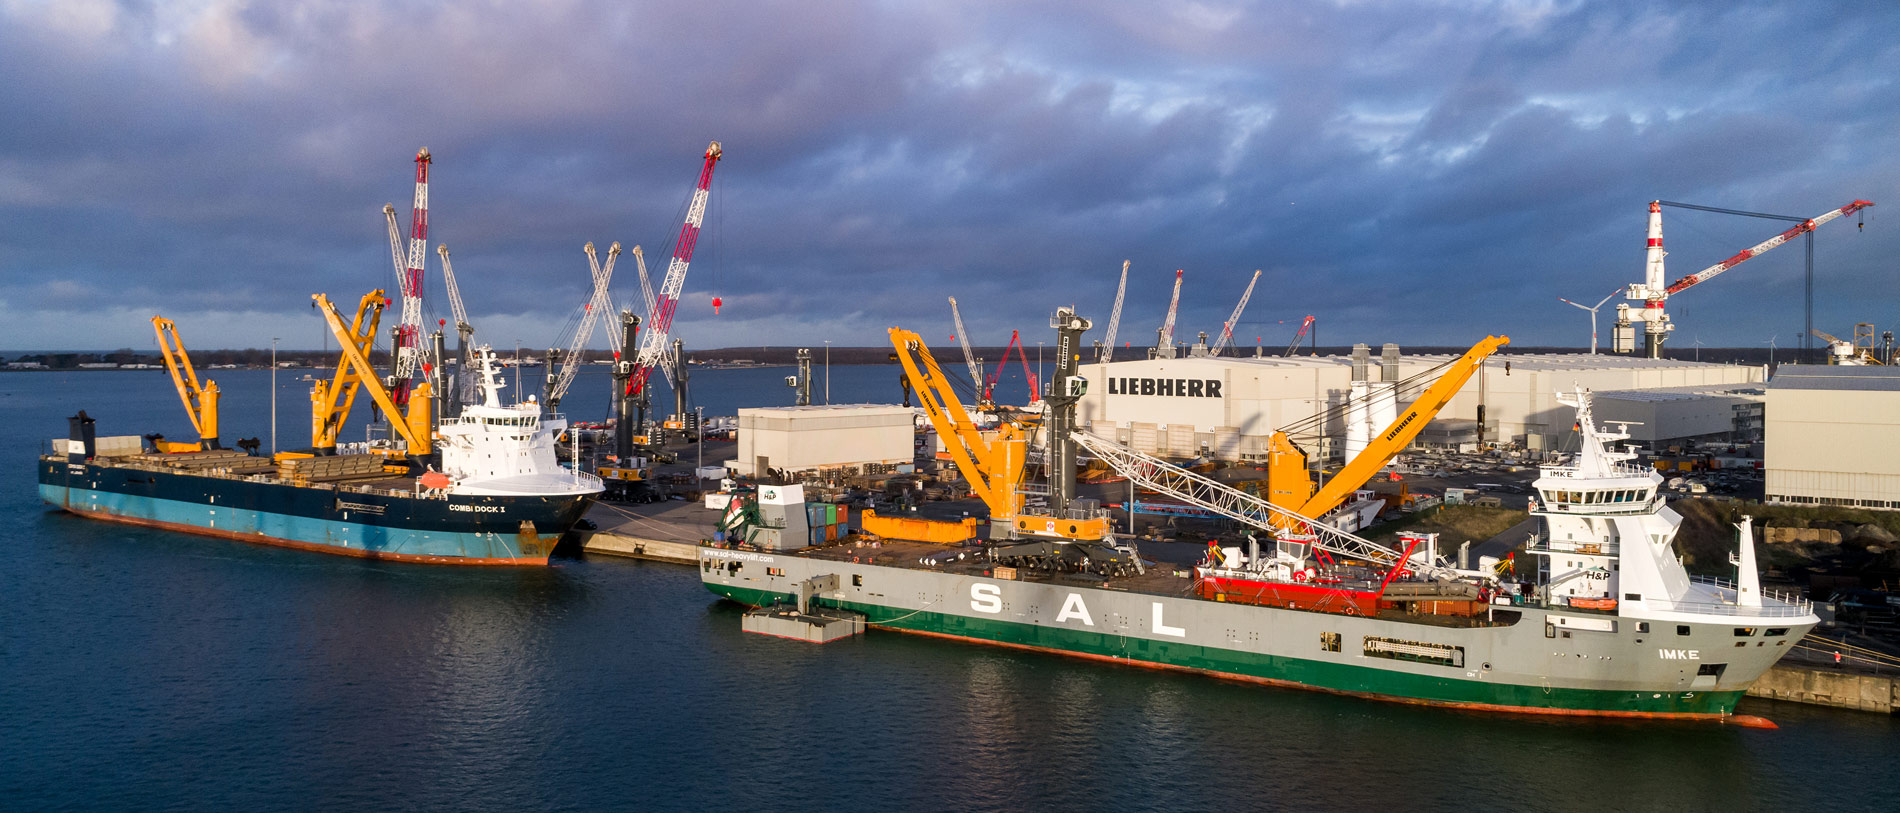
{"x": 1419, "y": 172}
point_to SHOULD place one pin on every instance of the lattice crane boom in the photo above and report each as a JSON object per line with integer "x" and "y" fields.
{"x": 598, "y": 303}
{"x": 1226, "y": 339}
{"x": 1114, "y": 318}
{"x": 1164, "y": 343}
{"x": 1220, "y": 498}
{"x": 653, "y": 345}
{"x": 409, "y": 273}
{"x": 456, "y": 308}
{"x": 646, "y": 292}
{"x": 969, "y": 355}
{"x": 1305, "y": 325}
{"x": 1754, "y": 251}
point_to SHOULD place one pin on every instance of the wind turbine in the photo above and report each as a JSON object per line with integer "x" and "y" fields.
{"x": 1593, "y": 316}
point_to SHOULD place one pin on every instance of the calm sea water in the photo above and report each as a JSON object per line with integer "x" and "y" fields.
{"x": 149, "y": 670}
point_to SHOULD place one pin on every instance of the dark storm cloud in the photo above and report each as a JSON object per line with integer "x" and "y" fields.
{"x": 1413, "y": 172}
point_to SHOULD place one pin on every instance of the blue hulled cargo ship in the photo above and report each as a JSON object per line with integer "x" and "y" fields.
{"x": 498, "y": 498}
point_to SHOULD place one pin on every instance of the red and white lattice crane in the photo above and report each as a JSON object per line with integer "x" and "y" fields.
{"x": 408, "y": 349}
{"x": 1653, "y": 295}
{"x": 1164, "y": 341}
{"x": 1226, "y": 339}
{"x": 653, "y": 345}
{"x": 1305, "y": 325}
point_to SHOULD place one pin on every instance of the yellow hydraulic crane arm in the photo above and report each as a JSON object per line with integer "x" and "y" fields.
{"x": 201, "y": 402}
{"x": 413, "y": 426}
{"x": 992, "y": 469}
{"x": 331, "y": 403}
{"x": 1403, "y": 430}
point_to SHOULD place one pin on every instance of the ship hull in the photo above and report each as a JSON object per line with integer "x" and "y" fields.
{"x": 365, "y": 523}
{"x": 1538, "y": 663}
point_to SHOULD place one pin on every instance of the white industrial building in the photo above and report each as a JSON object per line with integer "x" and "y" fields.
{"x": 804, "y": 438}
{"x": 1702, "y": 412}
{"x": 1227, "y": 407}
{"x": 1833, "y": 436}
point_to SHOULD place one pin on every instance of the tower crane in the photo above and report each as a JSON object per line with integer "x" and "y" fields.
{"x": 1226, "y": 339}
{"x": 1653, "y": 294}
{"x": 201, "y": 401}
{"x": 598, "y": 303}
{"x": 1114, "y": 319}
{"x": 408, "y": 347}
{"x": 654, "y": 344}
{"x": 1164, "y": 341}
{"x": 1305, "y": 325}
{"x": 969, "y": 356}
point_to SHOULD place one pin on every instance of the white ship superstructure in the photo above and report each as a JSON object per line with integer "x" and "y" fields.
{"x": 1609, "y": 540}
{"x": 507, "y": 450}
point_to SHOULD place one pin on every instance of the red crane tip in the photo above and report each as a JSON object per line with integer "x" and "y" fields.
{"x": 716, "y": 303}
{"x": 441, "y": 322}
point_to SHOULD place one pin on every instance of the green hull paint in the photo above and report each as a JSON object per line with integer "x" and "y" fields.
{"x": 1359, "y": 680}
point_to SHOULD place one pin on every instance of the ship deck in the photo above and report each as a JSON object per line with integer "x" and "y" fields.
{"x": 1169, "y": 572}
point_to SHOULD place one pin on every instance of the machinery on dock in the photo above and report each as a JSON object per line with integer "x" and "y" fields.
{"x": 1033, "y": 525}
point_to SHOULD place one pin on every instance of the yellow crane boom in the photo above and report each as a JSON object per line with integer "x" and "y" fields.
{"x": 1291, "y": 487}
{"x": 330, "y": 403}
{"x": 354, "y": 370}
{"x": 993, "y": 469}
{"x": 201, "y": 401}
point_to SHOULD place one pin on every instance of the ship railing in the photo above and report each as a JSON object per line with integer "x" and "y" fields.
{"x": 1774, "y": 603}
{"x": 1542, "y": 544}
{"x": 582, "y": 478}
{"x": 1613, "y": 470}
{"x": 1592, "y": 509}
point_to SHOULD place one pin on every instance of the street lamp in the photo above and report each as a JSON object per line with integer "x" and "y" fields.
{"x": 273, "y": 396}
{"x": 699, "y": 428}
{"x": 827, "y": 371}
{"x": 1037, "y": 396}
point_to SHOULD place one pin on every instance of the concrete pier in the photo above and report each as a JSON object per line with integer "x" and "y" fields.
{"x": 664, "y": 531}
{"x": 1828, "y": 687}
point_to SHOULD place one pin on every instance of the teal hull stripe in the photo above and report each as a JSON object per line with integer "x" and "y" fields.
{"x": 350, "y": 537}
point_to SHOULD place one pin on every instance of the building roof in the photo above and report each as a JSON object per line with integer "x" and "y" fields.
{"x": 1828, "y": 377}
{"x": 1753, "y": 392}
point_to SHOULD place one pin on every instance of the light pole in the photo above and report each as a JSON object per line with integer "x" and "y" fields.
{"x": 827, "y": 371}
{"x": 1037, "y": 396}
{"x": 1771, "y": 355}
{"x": 273, "y": 396}
{"x": 1593, "y": 316}
{"x": 699, "y": 428}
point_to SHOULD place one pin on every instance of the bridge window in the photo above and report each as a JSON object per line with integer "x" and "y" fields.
{"x": 1329, "y": 641}
{"x": 1682, "y": 629}
{"x": 1744, "y": 632}
{"x": 1777, "y": 632}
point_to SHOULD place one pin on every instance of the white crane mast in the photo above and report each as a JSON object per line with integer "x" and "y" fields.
{"x": 409, "y": 274}
{"x": 1164, "y": 343}
{"x": 1114, "y": 318}
{"x": 455, "y": 296}
{"x": 1226, "y": 339}
{"x": 969, "y": 356}
{"x": 597, "y": 304}
{"x": 646, "y": 291}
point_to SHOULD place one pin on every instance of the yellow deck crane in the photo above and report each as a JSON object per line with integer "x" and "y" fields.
{"x": 1290, "y": 485}
{"x": 1054, "y": 536}
{"x": 201, "y": 401}
{"x": 330, "y": 403}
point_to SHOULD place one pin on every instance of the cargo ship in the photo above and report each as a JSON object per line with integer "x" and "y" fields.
{"x": 498, "y": 498}
{"x": 1608, "y": 624}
